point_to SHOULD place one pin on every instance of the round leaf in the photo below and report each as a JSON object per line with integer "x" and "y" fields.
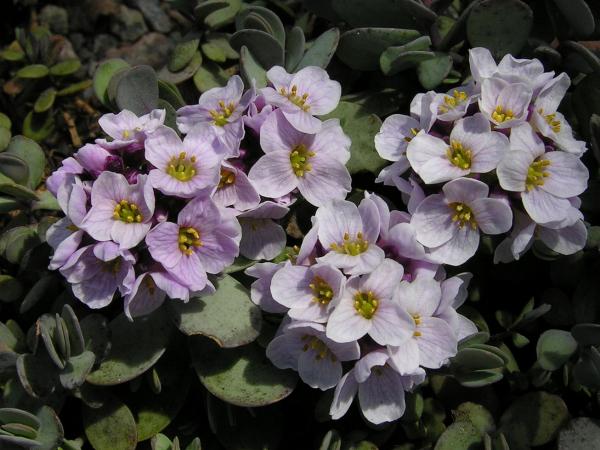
{"x": 135, "y": 348}
{"x": 241, "y": 376}
{"x": 459, "y": 436}
{"x": 554, "y": 348}
{"x": 30, "y": 152}
{"x": 502, "y": 26}
{"x": 137, "y": 90}
{"x": 321, "y": 50}
{"x": 228, "y": 316}
{"x": 102, "y": 76}
{"x": 182, "y": 54}
{"x": 45, "y": 101}
{"x": 38, "y": 126}
{"x": 264, "y": 47}
{"x": 14, "y": 167}
{"x": 110, "y": 427}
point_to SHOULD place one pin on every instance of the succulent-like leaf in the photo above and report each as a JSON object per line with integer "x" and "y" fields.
{"x": 135, "y": 348}
{"x": 76, "y": 370}
{"x": 137, "y": 90}
{"x": 17, "y": 241}
{"x": 533, "y": 419}
{"x": 37, "y": 374}
{"x": 74, "y": 88}
{"x": 502, "y": 26}
{"x": 264, "y": 47}
{"x": 185, "y": 73}
{"x": 217, "y": 13}
{"x": 11, "y": 288}
{"x": 431, "y": 72}
{"x": 210, "y": 75}
{"x": 361, "y": 48}
{"x": 44, "y": 287}
{"x": 263, "y": 19}
{"x": 103, "y": 75}
{"x": 397, "y": 58}
{"x": 5, "y": 136}
{"x": 459, "y": 436}
{"x": 66, "y": 67}
{"x": 555, "y": 348}
{"x": 384, "y": 13}
{"x": 578, "y": 15}
{"x": 110, "y": 427}
{"x": 45, "y": 100}
{"x": 30, "y": 152}
{"x": 321, "y": 50}
{"x": 14, "y": 167}
{"x": 241, "y": 376}
{"x": 251, "y": 69}
{"x": 294, "y": 48}
{"x": 38, "y": 126}
{"x": 33, "y": 71}
{"x": 182, "y": 54}
{"x": 228, "y": 316}
{"x": 169, "y": 92}
{"x": 217, "y": 48}
{"x": 331, "y": 441}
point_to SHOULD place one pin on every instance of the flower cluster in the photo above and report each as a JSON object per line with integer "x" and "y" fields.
{"x": 152, "y": 210}
{"x": 488, "y": 151}
{"x": 362, "y": 289}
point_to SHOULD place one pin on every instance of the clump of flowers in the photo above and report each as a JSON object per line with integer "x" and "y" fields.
{"x": 153, "y": 211}
{"x": 488, "y": 151}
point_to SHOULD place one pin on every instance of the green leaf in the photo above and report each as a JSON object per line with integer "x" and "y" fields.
{"x": 32, "y": 154}
{"x": 14, "y": 167}
{"x": 14, "y": 415}
{"x": 37, "y": 375}
{"x": 74, "y": 88}
{"x": 217, "y": 13}
{"x": 331, "y": 441}
{"x": 479, "y": 378}
{"x": 45, "y": 101}
{"x": 10, "y": 288}
{"x": 76, "y": 370}
{"x": 110, "y": 427}
{"x": 9, "y": 187}
{"x": 502, "y": 26}
{"x": 137, "y": 90}
{"x": 240, "y": 263}
{"x": 184, "y": 74}
{"x": 182, "y": 54}
{"x": 5, "y": 136}
{"x": 38, "y": 126}
{"x": 124, "y": 362}
{"x": 251, "y": 69}
{"x": 587, "y": 333}
{"x": 459, "y": 436}
{"x": 50, "y": 433}
{"x": 321, "y": 50}
{"x": 471, "y": 358}
{"x": 64, "y": 68}
{"x": 44, "y": 287}
{"x": 398, "y": 58}
{"x": 46, "y": 201}
{"x": 103, "y": 75}
{"x": 33, "y": 71}
{"x": 210, "y": 75}
{"x": 17, "y": 241}
{"x": 264, "y": 47}
{"x": 228, "y": 316}
{"x": 361, "y": 48}
{"x": 555, "y": 348}
{"x": 361, "y": 127}
{"x": 431, "y": 72}
{"x": 170, "y": 93}
{"x": 581, "y": 433}
{"x": 475, "y": 414}
{"x": 217, "y": 48}
{"x": 263, "y": 19}
{"x": 294, "y": 48}
{"x": 12, "y": 52}
{"x": 242, "y": 376}
{"x": 533, "y": 419}
{"x": 384, "y": 13}
{"x": 8, "y": 204}
{"x": 578, "y": 15}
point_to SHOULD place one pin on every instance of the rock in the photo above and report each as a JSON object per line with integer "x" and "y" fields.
{"x": 55, "y": 18}
{"x": 153, "y": 49}
{"x": 103, "y": 42}
{"x": 78, "y": 41}
{"x": 128, "y": 24}
{"x": 96, "y": 8}
{"x": 156, "y": 17}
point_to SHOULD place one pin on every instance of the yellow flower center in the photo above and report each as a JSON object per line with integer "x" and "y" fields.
{"x": 127, "y": 133}
{"x": 316, "y": 344}
{"x": 224, "y": 112}
{"x": 292, "y": 96}
{"x": 351, "y": 247}
{"x": 321, "y": 290}
{"x": 417, "y": 319}
{"x": 227, "y": 178}
{"x": 366, "y": 304}
{"x": 299, "y": 159}
{"x": 189, "y": 238}
{"x": 127, "y": 212}
{"x": 458, "y": 155}
{"x": 502, "y": 115}
{"x": 463, "y": 215}
{"x": 536, "y": 174}
{"x": 452, "y": 101}
{"x": 182, "y": 168}
{"x": 551, "y": 120}
{"x": 414, "y": 132}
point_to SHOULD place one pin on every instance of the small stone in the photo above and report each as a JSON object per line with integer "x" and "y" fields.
{"x": 55, "y": 18}
{"x": 154, "y": 14}
{"x": 128, "y": 24}
{"x": 152, "y": 49}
